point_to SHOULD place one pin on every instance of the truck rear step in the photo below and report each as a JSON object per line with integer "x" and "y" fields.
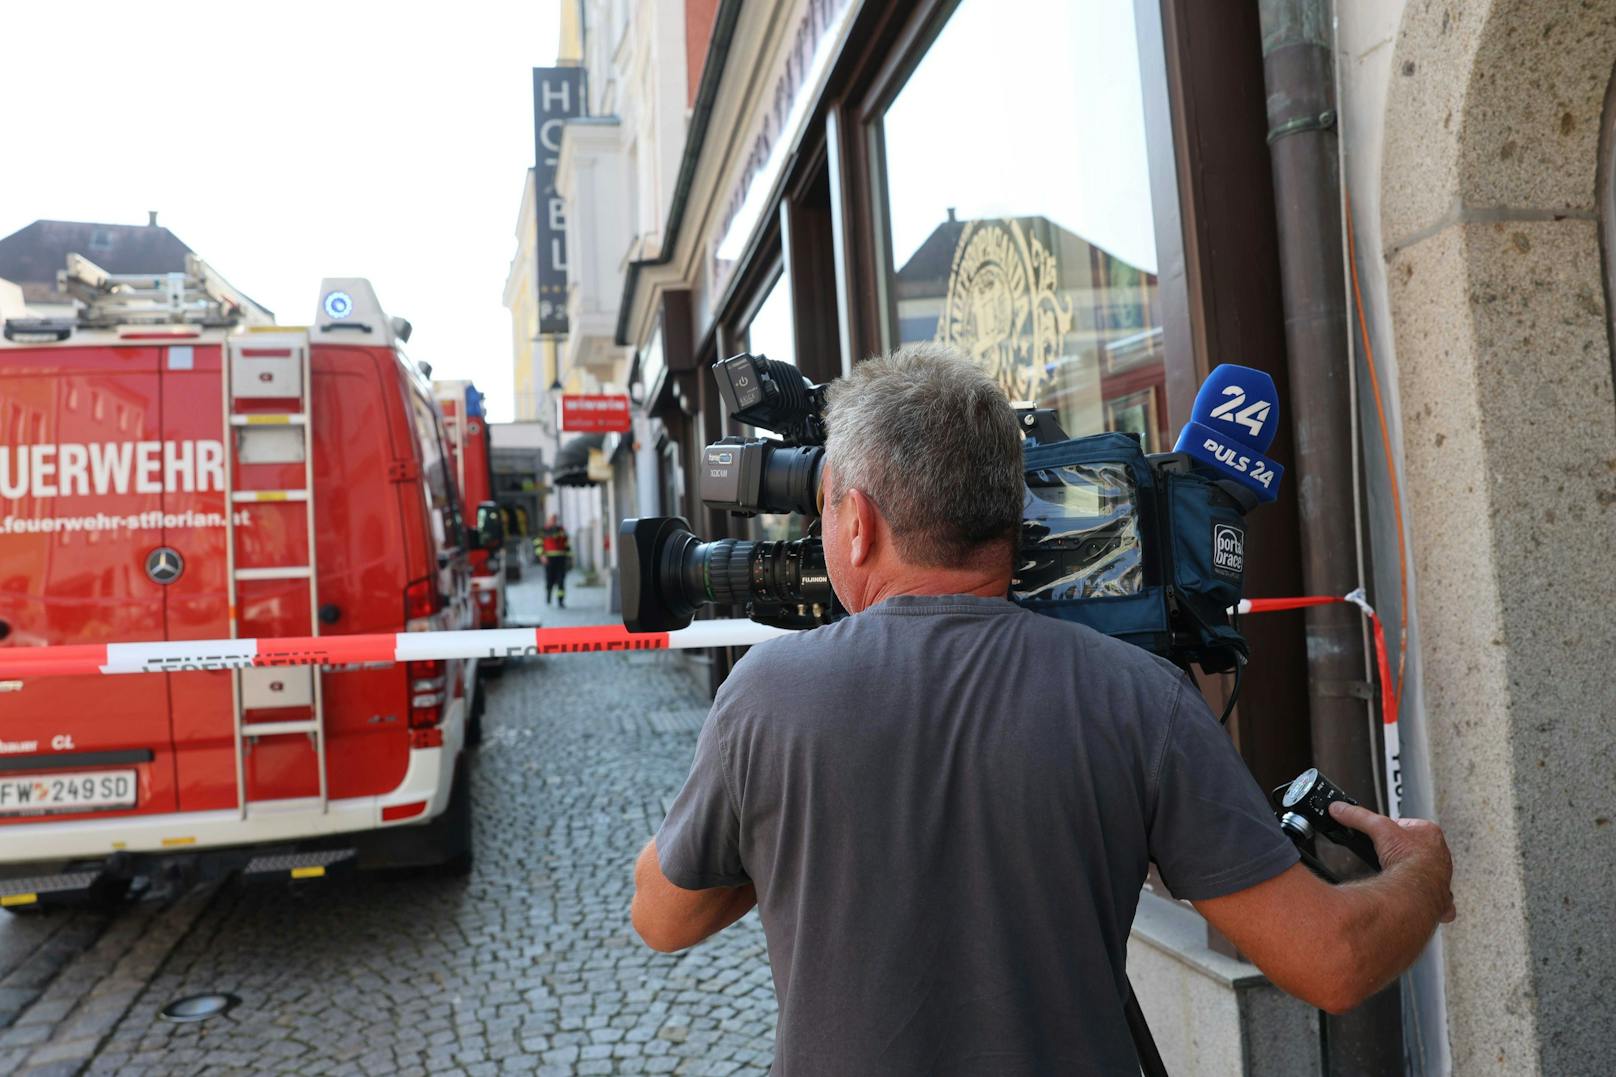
{"x": 310, "y": 865}
{"x": 40, "y": 890}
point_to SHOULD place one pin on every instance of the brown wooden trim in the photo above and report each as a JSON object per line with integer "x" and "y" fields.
{"x": 1216, "y": 95}
{"x": 841, "y": 181}
{"x": 886, "y": 79}
{"x": 808, "y": 243}
{"x": 810, "y": 163}
{"x": 864, "y": 261}
{"x": 678, "y": 331}
{"x": 1178, "y": 277}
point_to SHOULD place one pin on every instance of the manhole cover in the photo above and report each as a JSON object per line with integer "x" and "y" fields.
{"x": 198, "y": 1007}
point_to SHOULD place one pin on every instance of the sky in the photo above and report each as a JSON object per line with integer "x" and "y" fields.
{"x": 289, "y": 141}
{"x": 1052, "y": 128}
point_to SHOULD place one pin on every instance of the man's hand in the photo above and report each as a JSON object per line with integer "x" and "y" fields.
{"x": 1334, "y": 946}
{"x": 671, "y": 918}
{"x": 1417, "y": 843}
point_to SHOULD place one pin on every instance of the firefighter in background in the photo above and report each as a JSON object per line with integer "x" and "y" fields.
{"x": 555, "y": 554}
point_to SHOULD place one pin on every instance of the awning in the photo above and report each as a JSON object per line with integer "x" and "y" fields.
{"x": 571, "y": 466}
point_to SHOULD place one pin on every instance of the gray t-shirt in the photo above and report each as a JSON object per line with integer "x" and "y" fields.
{"x": 948, "y": 805}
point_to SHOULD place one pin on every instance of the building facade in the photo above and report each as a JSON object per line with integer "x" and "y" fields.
{"x": 530, "y": 360}
{"x": 1089, "y": 199}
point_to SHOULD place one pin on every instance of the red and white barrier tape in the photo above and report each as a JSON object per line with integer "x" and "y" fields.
{"x": 18, "y": 663}
{"x": 1383, "y": 669}
{"x": 176, "y": 656}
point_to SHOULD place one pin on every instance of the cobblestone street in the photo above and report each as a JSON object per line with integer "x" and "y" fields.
{"x": 530, "y": 965}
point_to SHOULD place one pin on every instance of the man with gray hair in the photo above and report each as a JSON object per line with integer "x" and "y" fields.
{"x": 944, "y": 806}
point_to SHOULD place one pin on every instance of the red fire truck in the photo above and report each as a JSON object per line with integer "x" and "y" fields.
{"x": 465, "y": 425}
{"x": 174, "y": 466}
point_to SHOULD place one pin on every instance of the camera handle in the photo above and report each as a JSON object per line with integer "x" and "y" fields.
{"x": 1041, "y": 426}
{"x": 1303, "y": 807}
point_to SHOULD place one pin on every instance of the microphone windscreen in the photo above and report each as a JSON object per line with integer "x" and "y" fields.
{"x": 1240, "y": 403}
{"x": 1229, "y": 459}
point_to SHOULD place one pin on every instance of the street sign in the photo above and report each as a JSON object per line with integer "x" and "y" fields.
{"x": 597, "y": 413}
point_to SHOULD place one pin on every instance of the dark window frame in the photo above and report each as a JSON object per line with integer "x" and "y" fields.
{"x": 1218, "y": 292}
{"x": 1218, "y": 289}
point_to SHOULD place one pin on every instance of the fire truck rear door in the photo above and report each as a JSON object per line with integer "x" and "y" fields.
{"x": 82, "y": 558}
{"x": 194, "y": 504}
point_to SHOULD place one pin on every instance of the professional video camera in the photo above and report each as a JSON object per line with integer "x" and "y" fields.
{"x": 1150, "y": 549}
{"x": 668, "y": 573}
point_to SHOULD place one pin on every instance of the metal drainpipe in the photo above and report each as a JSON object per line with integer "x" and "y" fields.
{"x": 1305, "y": 155}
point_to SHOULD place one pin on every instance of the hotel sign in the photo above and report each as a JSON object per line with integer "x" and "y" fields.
{"x": 557, "y": 97}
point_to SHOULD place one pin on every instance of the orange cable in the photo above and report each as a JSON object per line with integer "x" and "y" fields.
{"x": 1391, "y": 462}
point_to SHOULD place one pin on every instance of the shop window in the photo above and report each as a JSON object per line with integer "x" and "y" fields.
{"x": 672, "y": 475}
{"x": 770, "y": 333}
{"x": 1015, "y": 188}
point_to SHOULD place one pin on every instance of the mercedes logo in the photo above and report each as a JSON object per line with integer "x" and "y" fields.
{"x": 164, "y": 564}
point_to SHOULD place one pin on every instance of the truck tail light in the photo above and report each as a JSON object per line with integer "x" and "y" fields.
{"x": 421, "y": 604}
{"x": 427, "y": 692}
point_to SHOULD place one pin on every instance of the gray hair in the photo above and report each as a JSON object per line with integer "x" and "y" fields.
{"x": 930, "y": 438}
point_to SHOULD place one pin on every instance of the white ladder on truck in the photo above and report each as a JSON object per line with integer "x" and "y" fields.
{"x": 198, "y": 296}
{"x": 267, "y": 369}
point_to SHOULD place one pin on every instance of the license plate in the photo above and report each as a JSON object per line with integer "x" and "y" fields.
{"x": 74, "y": 791}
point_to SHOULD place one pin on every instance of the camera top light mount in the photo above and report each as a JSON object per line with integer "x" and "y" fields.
{"x": 765, "y": 392}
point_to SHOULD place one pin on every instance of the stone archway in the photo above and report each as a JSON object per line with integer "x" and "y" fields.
{"x": 1492, "y": 231}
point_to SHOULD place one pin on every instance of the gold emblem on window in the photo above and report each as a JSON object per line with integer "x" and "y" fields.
{"x": 1002, "y": 307}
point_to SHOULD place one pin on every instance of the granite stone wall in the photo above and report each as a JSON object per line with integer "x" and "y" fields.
{"x": 1490, "y": 224}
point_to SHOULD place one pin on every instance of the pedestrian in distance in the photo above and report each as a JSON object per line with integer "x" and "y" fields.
{"x": 944, "y": 806}
{"x": 555, "y": 554}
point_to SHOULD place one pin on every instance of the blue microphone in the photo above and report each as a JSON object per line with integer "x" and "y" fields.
{"x": 1232, "y": 424}
{"x": 1241, "y": 402}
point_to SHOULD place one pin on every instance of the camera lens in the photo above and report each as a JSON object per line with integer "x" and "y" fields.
{"x": 791, "y": 479}
{"x": 718, "y": 571}
{"x": 668, "y": 573}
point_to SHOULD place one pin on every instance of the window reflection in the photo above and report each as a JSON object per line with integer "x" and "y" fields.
{"x": 771, "y": 333}
{"x": 1021, "y": 227}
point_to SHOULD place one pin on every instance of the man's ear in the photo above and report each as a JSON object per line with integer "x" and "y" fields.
{"x": 863, "y": 528}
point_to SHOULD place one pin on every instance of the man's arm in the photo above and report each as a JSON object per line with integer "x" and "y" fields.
{"x": 1334, "y": 946}
{"x": 670, "y": 918}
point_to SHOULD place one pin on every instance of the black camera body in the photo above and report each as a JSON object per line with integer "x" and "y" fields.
{"x": 1147, "y": 549}
{"x": 668, "y": 573}
{"x": 746, "y": 476}
{"x": 760, "y": 391}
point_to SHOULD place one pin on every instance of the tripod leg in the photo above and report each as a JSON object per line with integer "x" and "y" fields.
{"x": 1150, "y": 1059}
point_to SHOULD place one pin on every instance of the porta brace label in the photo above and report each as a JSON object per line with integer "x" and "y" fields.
{"x": 185, "y": 656}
